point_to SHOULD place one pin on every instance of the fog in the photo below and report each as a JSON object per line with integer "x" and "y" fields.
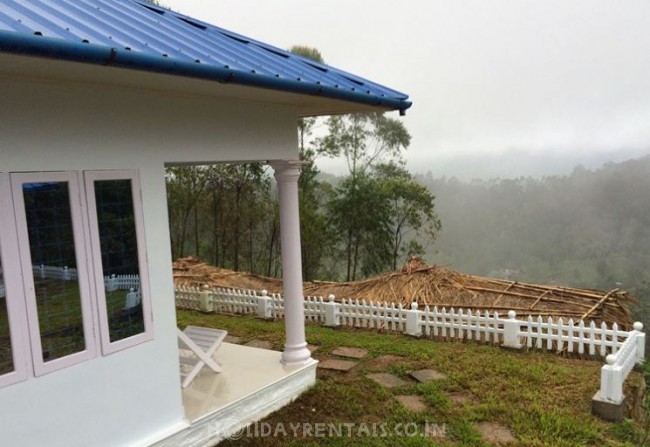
{"x": 492, "y": 82}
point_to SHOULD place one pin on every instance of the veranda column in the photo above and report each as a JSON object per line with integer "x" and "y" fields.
{"x": 295, "y": 349}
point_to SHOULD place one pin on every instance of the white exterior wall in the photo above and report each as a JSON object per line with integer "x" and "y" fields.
{"x": 132, "y": 396}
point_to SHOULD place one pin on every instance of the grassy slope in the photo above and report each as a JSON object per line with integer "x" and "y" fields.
{"x": 544, "y": 399}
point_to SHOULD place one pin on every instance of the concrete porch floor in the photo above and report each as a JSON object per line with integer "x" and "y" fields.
{"x": 252, "y": 385}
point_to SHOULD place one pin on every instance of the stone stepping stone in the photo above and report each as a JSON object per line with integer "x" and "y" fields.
{"x": 387, "y": 380}
{"x": 353, "y": 353}
{"x": 427, "y": 375}
{"x": 232, "y": 339}
{"x": 461, "y": 398}
{"x": 495, "y": 433}
{"x": 337, "y": 365}
{"x": 414, "y": 403}
{"x": 262, "y": 344}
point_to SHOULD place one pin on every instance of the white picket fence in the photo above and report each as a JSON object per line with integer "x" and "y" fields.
{"x": 121, "y": 282}
{"x": 622, "y": 349}
{"x": 131, "y": 283}
{"x": 52, "y": 272}
{"x": 619, "y": 365}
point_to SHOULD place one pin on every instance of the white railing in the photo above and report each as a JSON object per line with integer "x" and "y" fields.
{"x": 622, "y": 349}
{"x": 619, "y": 365}
{"x": 121, "y": 282}
{"x": 572, "y": 337}
{"x": 51, "y": 272}
{"x": 459, "y": 324}
{"x": 130, "y": 283}
{"x": 369, "y": 315}
{"x": 468, "y": 325}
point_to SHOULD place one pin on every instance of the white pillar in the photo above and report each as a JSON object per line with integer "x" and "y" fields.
{"x": 295, "y": 349}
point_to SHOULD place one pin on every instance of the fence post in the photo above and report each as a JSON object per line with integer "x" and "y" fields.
{"x": 511, "y": 331}
{"x": 611, "y": 381}
{"x": 65, "y": 274}
{"x": 205, "y": 301}
{"x": 332, "y": 318}
{"x": 111, "y": 283}
{"x": 131, "y": 299}
{"x": 264, "y": 306}
{"x": 413, "y": 326}
{"x": 640, "y": 342}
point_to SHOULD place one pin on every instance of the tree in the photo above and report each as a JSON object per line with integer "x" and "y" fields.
{"x": 361, "y": 209}
{"x": 185, "y": 187}
{"x": 364, "y": 139}
{"x": 361, "y": 218}
{"x": 412, "y": 211}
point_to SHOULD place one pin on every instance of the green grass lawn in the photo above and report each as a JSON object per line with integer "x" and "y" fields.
{"x": 544, "y": 400}
{"x": 60, "y": 320}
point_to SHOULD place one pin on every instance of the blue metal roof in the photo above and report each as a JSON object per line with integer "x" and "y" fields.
{"x": 136, "y": 34}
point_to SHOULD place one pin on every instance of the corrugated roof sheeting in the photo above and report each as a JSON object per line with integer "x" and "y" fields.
{"x": 144, "y": 29}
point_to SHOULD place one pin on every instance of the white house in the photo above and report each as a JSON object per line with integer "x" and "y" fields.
{"x": 97, "y": 97}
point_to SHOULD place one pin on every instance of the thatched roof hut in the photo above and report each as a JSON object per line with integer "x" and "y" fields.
{"x": 191, "y": 271}
{"x": 434, "y": 285}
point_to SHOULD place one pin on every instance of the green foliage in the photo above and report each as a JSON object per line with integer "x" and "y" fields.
{"x": 308, "y": 52}
{"x": 588, "y": 229}
{"x": 226, "y": 214}
{"x": 548, "y": 407}
{"x": 374, "y": 218}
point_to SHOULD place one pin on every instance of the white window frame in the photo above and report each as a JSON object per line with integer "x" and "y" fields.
{"x": 20, "y": 348}
{"x": 78, "y": 217}
{"x": 90, "y": 177}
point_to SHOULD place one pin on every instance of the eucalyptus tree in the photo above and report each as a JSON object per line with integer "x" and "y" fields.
{"x": 413, "y": 218}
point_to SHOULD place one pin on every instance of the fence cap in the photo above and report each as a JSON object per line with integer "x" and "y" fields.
{"x": 414, "y": 305}
{"x": 512, "y": 314}
{"x": 610, "y": 359}
{"x": 331, "y": 298}
{"x": 638, "y": 326}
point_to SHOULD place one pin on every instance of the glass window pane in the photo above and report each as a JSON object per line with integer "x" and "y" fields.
{"x": 6, "y": 357}
{"x": 119, "y": 252}
{"x": 52, "y": 247}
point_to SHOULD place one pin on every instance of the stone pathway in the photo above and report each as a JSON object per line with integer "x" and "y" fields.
{"x": 343, "y": 365}
{"x": 413, "y": 403}
{"x": 337, "y": 365}
{"x": 495, "y": 433}
{"x": 427, "y": 375}
{"x": 354, "y": 353}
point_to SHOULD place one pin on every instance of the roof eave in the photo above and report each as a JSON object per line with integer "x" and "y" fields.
{"x": 45, "y": 47}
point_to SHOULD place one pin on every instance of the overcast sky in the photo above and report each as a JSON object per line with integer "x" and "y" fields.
{"x": 500, "y": 87}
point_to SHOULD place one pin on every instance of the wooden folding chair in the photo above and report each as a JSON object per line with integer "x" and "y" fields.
{"x": 196, "y": 347}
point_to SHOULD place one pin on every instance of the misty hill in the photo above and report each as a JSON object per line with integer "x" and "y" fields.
{"x": 587, "y": 229}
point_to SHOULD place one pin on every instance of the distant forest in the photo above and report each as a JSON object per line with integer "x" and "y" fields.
{"x": 588, "y": 229}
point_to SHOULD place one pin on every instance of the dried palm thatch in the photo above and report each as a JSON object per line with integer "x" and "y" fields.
{"x": 437, "y": 286}
{"x": 193, "y": 272}
{"x": 434, "y": 285}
